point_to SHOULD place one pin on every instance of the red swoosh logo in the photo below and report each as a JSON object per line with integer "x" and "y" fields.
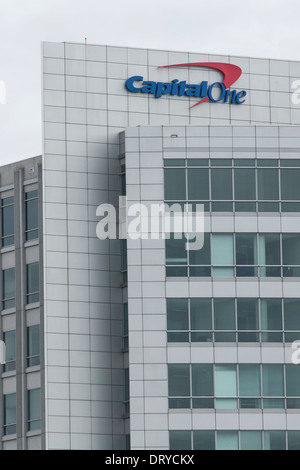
{"x": 230, "y": 72}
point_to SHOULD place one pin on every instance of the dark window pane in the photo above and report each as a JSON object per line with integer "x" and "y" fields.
{"x": 221, "y": 162}
{"x": 269, "y": 250}
{"x": 274, "y": 440}
{"x": 179, "y": 380}
{"x": 204, "y": 440}
{"x": 33, "y": 286}
{"x": 175, "y": 251}
{"x": 267, "y": 162}
{"x": 174, "y": 162}
{"x": 249, "y": 380}
{"x": 8, "y": 224}
{"x": 268, "y": 207}
{"x": 201, "y": 314}
{"x": 244, "y": 184}
{"x": 246, "y": 250}
{"x": 293, "y": 440}
{"x": 34, "y": 409}
{"x": 198, "y": 184}
{"x": 291, "y": 314}
{"x": 180, "y": 440}
{"x": 224, "y": 314}
{"x": 177, "y": 314}
{"x": 175, "y": 184}
{"x": 221, "y": 184}
{"x": 9, "y": 288}
{"x": 245, "y": 206}
{"x": 33, "y": 345}
{"x": 292, "y": 372}
{"x": 197, "y": 162}
{"x": 9, "y": 338}
{"x": 243, "y": 162}
{"x": 31, "y": 205}
{"x": 291, "y": 249}
{"x": 201, "y": 256}
{"x": 271, "y": 314}
{"x": 10, "y": 413}
{"x": 247, "y": 314}
{"x": 202, "y": 380}
{"x": 290, "y": 184}
{"x": 272, "y": 379}
{"x": 268, "y": 184}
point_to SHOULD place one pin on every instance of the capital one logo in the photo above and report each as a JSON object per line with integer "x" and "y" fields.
{"x": 2, "y": 92}
{"x": 216, "y": 92}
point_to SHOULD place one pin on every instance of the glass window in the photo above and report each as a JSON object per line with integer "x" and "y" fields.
{"x": 272, "y": 380}
{"x": 204, "y": 440}
{"x": 9, "y": 338}
{"x": 33, "y": 285}
{"x": 293, "y": 440}
{"x": 221, "y": 184}
{"x": 125, "y": 325}
{"x": 290, "y": 184}
{"x": 32, "y": 215}
{"x": 225, "y": 380}
{"x": 177, "y": 314}
{"x": 271, "y": 314}
{"x": 249, "y": 380}
{"x": 8, "y": 223}
{"x": 124, "y": 260}
{"x": 274, "y": 440}
{"x": 268, "y": 184}
{"x": 33, "y": 345}
{"x": 246, "y": 254}
{"x": 179, "y": 380}
{"x": 222, "y": 255}
{"x": 123, "y": 180}
{"x": 9, "y": 288}
{"x": 201, "y": 314}
{"x": 201, "y": 256}
{"x": 180, "y": 440}
{"x": 175, "y": 187}
{"x": 244, "y": 184}
{"x": 34, "y": 409}
{"x": 227, "y": 440}
{"x": 292, "y": 380}
{"x": 202, "y": 380}
{"x": 269, "y": 249}
{"x": 224, "y": 314}
{"x": 247, "y": 314}
{"x": 292, "y": 314}
{"x": 10, "y": 413}
{"x": 250, "y": 440}
{"x": 198, "y": 184}
{"x": 291, "y": 251}
{"x": 126, "y": 391}
{"x": 175, "y": 250}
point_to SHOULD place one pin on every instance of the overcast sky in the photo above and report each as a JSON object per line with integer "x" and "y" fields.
{"x": 256, "y": 28}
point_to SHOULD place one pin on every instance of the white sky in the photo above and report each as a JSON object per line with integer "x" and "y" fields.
{"x": 255, "y": 28}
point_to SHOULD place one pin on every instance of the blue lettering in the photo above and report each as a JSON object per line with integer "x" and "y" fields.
{"x": 240, "y": 94}
{"x": 162, "y": 89}
{"x": 215, "y": 92}
{"x": 210, "y": 89}
{"x": 149, "y": 87}
{"x": 129, "y": 83}
{"x": 193, "y": 90}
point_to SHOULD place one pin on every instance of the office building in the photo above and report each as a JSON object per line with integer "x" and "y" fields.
{"x": 144, "y": 344}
